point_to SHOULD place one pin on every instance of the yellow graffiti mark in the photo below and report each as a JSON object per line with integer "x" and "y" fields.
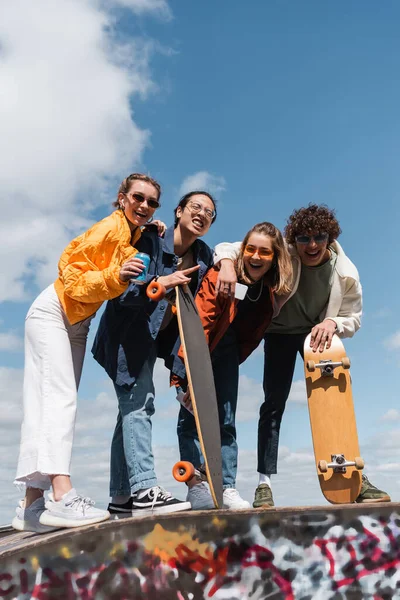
{"x": 118, "y": 550}
{"x": 163, "y": 543}
{"x": 35, "y": 563}
{"x": 65, "y": 552}
{"x": 219, "y": 523}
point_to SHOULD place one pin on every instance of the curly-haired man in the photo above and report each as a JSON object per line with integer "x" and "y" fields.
{"x": 326, "y": 299}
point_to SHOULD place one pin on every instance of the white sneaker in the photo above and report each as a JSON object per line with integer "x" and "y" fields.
{"x": 27, "y": 519}
{"x": 233, "y": 500}
{"x": 199, "y": 497}
{"x": 72, "y": 511}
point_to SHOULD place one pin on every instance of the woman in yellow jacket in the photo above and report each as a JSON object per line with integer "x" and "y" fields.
{"x": 95, "y": 266}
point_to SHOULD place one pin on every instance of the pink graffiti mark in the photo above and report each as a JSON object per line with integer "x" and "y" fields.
{"x": 213, "y": 566}
{"x": 369, "y": 547}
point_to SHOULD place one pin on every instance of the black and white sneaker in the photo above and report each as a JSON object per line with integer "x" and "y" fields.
{"x": 151, "y": 501}
{"x": 119, "y": 511}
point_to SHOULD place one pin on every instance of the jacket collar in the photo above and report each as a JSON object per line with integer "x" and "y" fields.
{"x": 168, "y": 245}
{"x": 168, "y": 240}
{"x": 128, "y": 234}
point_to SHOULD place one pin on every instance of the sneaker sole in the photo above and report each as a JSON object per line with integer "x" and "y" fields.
{"x": 263, "y": 505}
{"x": 161, "y": 510}
{"x": 375, "y": 500}
{"x": 53, "y": 521}
{"x": 26, "y": 526}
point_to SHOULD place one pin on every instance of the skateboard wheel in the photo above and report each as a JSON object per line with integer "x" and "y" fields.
{"x": 155, "y": 291}
{"x": 311, "y": 365}
{"x": 359, "y": 463}
{"x": 183, "y": 471}
{"x": 173, "y": 309}
{"x": 346, "y": 362}
{"x": 323, "y": 466}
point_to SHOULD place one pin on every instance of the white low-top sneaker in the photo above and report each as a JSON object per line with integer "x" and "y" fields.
{"x": 27, "y": 519}
{"x": 199, "y": 497}
{"x": 72, "y": 510}
{"x": 233, "y": 500}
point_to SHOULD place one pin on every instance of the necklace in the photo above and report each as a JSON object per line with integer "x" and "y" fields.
{"x": 259, "y": 293}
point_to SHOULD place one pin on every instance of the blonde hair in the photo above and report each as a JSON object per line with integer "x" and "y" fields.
{"x": 127, "y": 183}
{"x": 279, "y": 277}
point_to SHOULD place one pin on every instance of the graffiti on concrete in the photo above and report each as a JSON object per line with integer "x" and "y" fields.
{"x": 318, "y": 555}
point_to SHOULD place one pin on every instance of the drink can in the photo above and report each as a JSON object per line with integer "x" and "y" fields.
{"x": 145, "y": 258}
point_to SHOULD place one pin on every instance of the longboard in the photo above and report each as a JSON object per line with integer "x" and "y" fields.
{"x": 202, "y": 389}
{"x": 333, "y": 422}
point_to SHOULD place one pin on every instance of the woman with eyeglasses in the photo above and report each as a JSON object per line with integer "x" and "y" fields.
{"x": 325, "y": 299}
{"x": 233, "y": 330}
{"x": 96, "y": 266}
{"x": 133, "y": 332}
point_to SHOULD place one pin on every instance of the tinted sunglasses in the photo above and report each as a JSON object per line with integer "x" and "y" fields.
{"x": 263, "y": 252}
{"x": 140, "y": 198}
{"x": 320, "y": 238}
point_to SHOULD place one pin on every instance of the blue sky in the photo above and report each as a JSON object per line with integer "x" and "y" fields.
{"x": 270, "y": 105}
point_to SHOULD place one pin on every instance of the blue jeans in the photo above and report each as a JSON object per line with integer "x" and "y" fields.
{"x": 279, "y": 361}
{"x": 225, "y": 361}
{"x": 132, "y": 460}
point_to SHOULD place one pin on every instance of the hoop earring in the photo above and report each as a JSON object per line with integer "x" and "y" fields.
{"x": 122, "y": 207}
{"x": 150, "y": 221}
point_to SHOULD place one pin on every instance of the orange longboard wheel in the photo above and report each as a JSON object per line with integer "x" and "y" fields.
{"x": 359, "y": 463}
{"x": 346, "y": 362}
{"x": 156, "y": 291}
{"x": 173, "y": 308}
{"x": 183, "y": 471}
{"x": 311, "y": 365}
{"x": 323, "y": 466}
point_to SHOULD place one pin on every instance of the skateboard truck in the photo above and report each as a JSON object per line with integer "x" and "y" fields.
{"x": 328, "y": 366}
{"x": 339, "y": 464}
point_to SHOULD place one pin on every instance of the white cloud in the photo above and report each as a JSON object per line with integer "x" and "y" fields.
{"x": 298, "y": 392}
{"x": 10, "y": 342}
{"x": 393, "y": 342}
{"x": 203, "y": 180}
{"x": 67, "y": 135}
{"x": 250, "y": 397}
{"x": 140, "y": 7}
{"x": 391, "y": 415}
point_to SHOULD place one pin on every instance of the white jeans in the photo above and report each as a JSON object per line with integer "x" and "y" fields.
{"x": 54, "y": 353}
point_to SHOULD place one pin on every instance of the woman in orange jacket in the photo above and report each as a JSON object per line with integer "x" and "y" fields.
{"x": 94, "y": 267}
{"x": 233, "y": 329}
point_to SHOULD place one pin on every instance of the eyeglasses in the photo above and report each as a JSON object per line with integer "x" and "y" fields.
{"x": 262, "y": 252}
{"x": 140, "y": 198}
{"x": 320, "y": 238}
{"x": 195, "y": 207}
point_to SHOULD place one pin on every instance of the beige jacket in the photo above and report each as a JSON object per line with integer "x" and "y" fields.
{"x": 345, "y": 300}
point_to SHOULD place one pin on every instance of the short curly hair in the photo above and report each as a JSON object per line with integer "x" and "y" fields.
{"x": 314, "y": 218}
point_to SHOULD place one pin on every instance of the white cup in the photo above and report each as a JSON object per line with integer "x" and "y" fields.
{"x": 240, "y": 291}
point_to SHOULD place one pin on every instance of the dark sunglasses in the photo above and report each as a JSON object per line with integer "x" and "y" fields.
{"x": 140, "y": 198}
{"x": 320, "y": 238}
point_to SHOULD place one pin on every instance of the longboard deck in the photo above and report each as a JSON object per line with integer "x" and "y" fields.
{"x": 202, "y": 389}
{"x": 333, "y": 422}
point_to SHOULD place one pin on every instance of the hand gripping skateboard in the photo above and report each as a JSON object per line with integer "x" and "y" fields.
{"x": 202, "y": 391}
{"x": 333, "y": 422}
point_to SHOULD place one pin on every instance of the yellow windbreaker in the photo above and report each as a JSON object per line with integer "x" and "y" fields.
{"x": 88, "y": 270}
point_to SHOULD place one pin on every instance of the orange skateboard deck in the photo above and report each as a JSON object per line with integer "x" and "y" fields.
{"x": 333, "y": 422}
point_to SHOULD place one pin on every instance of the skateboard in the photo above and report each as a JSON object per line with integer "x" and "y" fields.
{"x": 202, "y": 390}
{"x": 333, "y": 422}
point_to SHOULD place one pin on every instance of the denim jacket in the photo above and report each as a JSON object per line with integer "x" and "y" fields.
{"x": 130, "y": 323}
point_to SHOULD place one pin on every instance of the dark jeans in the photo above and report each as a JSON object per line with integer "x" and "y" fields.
{"x": 279, "y": 362}
{"x": 225, "y": 361}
